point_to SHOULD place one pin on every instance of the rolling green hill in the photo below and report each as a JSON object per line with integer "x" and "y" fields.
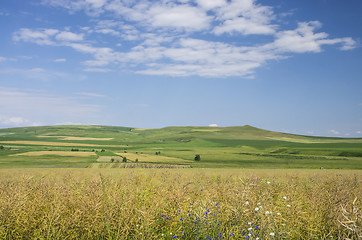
{"x": 230, "y": 147}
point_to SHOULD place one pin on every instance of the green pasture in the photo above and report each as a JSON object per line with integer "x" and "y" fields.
{"x": 230, "y": 147}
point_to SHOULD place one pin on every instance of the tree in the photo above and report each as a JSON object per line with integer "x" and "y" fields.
{"x": 197, "y": 157}
{"x": 124, "y": 159}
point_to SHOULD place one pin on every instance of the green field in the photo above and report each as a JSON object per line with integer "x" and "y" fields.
{"x": 99, "y": 182}
{"x": 230, "y": 147}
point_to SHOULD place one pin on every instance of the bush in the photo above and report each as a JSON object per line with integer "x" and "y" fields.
{"x": 197, "y": 157}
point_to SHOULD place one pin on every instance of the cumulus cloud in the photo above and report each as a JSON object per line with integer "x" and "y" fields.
{"x": 167, "y": 37}
{"x": 303, "y": 39}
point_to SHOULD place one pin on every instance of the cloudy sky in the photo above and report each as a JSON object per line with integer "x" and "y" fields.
{"x": 289, "y": 66}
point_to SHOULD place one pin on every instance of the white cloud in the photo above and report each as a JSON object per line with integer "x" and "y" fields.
{"x": 182, "y": 17}
{"x": 69, "y": 36}
{"x": 3, "y": 59}
{"x": 60, "y": 60}
{"x": 303, "y": 39}
{"x": 88, "y": 94}
{"x": 335, "y": 132}
{"x": 101, "y": 70}
{"x": 13, "y": 121}
{"x": 34, "y": 106}
{"x": 164, "y": 36}
{"x": 246, "y": 17}
{"x": 213, "y": 125}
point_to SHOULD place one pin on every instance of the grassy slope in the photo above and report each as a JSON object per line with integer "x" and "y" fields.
{"x": 240, "y": 147}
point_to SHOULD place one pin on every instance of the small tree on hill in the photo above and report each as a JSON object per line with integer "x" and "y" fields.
{"x": 197, "y": 157}
{"x": 124, "y": 159}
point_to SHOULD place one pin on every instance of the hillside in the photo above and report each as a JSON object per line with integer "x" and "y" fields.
{"x": 107, "y": 146}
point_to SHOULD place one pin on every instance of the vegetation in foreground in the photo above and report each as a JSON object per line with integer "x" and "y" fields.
{"x": 179, "y": 203}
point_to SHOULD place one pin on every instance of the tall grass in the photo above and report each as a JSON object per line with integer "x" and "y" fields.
{"x": 179, "y": 203}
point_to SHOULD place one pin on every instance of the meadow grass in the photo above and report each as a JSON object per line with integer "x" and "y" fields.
{"x": 180, "y": 203}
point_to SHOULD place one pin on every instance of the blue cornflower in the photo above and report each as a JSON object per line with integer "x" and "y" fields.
{"x": 209, "y": 238}
{"x": 232, "y": 234}
{"x": 216, "y": 204}
{"x": 220, "y": 235}
{"x": 218, "y": 224}
{"x": 175, "y": 237}
{"x": 201, "y": 189}
{"x": 214, "y": 214}
{"x": 181, "y": 219}
{"x": 247, "y": 237}
{"x": 189, "y": 214}
{"x": 206, "y": 212}
{"x": 257, "y": 227}
{"x": 167, "y": 218}
{"x": 162, "y": 215}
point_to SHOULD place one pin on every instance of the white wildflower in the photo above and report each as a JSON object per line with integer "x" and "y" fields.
{"x": 256, "y": 209}
{"x": 249, "y": 229}
{"x": 247, "y": 203}
{"x": 285, "y": 197}
{"x": 268, "y": 182}
{"x": 271, "y": 234}
{"x": 249, "y": 223}
{"x": 267, "y": 212}
{"x": 259, "y": 203}
{"x": 288, "y": 205}
{"x": 278, "y": 214}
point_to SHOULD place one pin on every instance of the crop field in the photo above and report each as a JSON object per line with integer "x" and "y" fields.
{"x": 231, "y": 147}
{"x": 177, "y": 182}
{"x": 180, "y": 203}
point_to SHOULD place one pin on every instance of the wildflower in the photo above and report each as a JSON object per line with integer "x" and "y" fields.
{"x": 257, "y": 227}
{"x": 259, "y": 203}
{"x": 162, "y": 215}
{"x": 288, "y": 205}
{"x": 247, "y": 203}
{"x": 181, "y": 219}
{"x": 167, "y": 218}
{"x": 278, "y": 214}
{"x": 175, "y": 236}
{"x": 267, "y": 212}
{"x": 249, "y": 229}
{"x": 247, "y": 237}
{"x": 268, "y": 182}
{"x": 220, "y": 235}
{"x": 216, "y": 204}
{"x": 209, "y": 238}
{"x": 162, "y": 234}
{"x": 257, "y": 238}
{"x": 256, "y": 209}
{"x": 232, "y": 234}
{"x": 140, "y": 233}
{"x": 285, "y": 198}
{"x": 272, "y": 234}
{"x": 201, "y": 189}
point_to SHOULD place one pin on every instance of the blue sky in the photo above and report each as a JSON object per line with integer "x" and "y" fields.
{"x": 289, "y": 66}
